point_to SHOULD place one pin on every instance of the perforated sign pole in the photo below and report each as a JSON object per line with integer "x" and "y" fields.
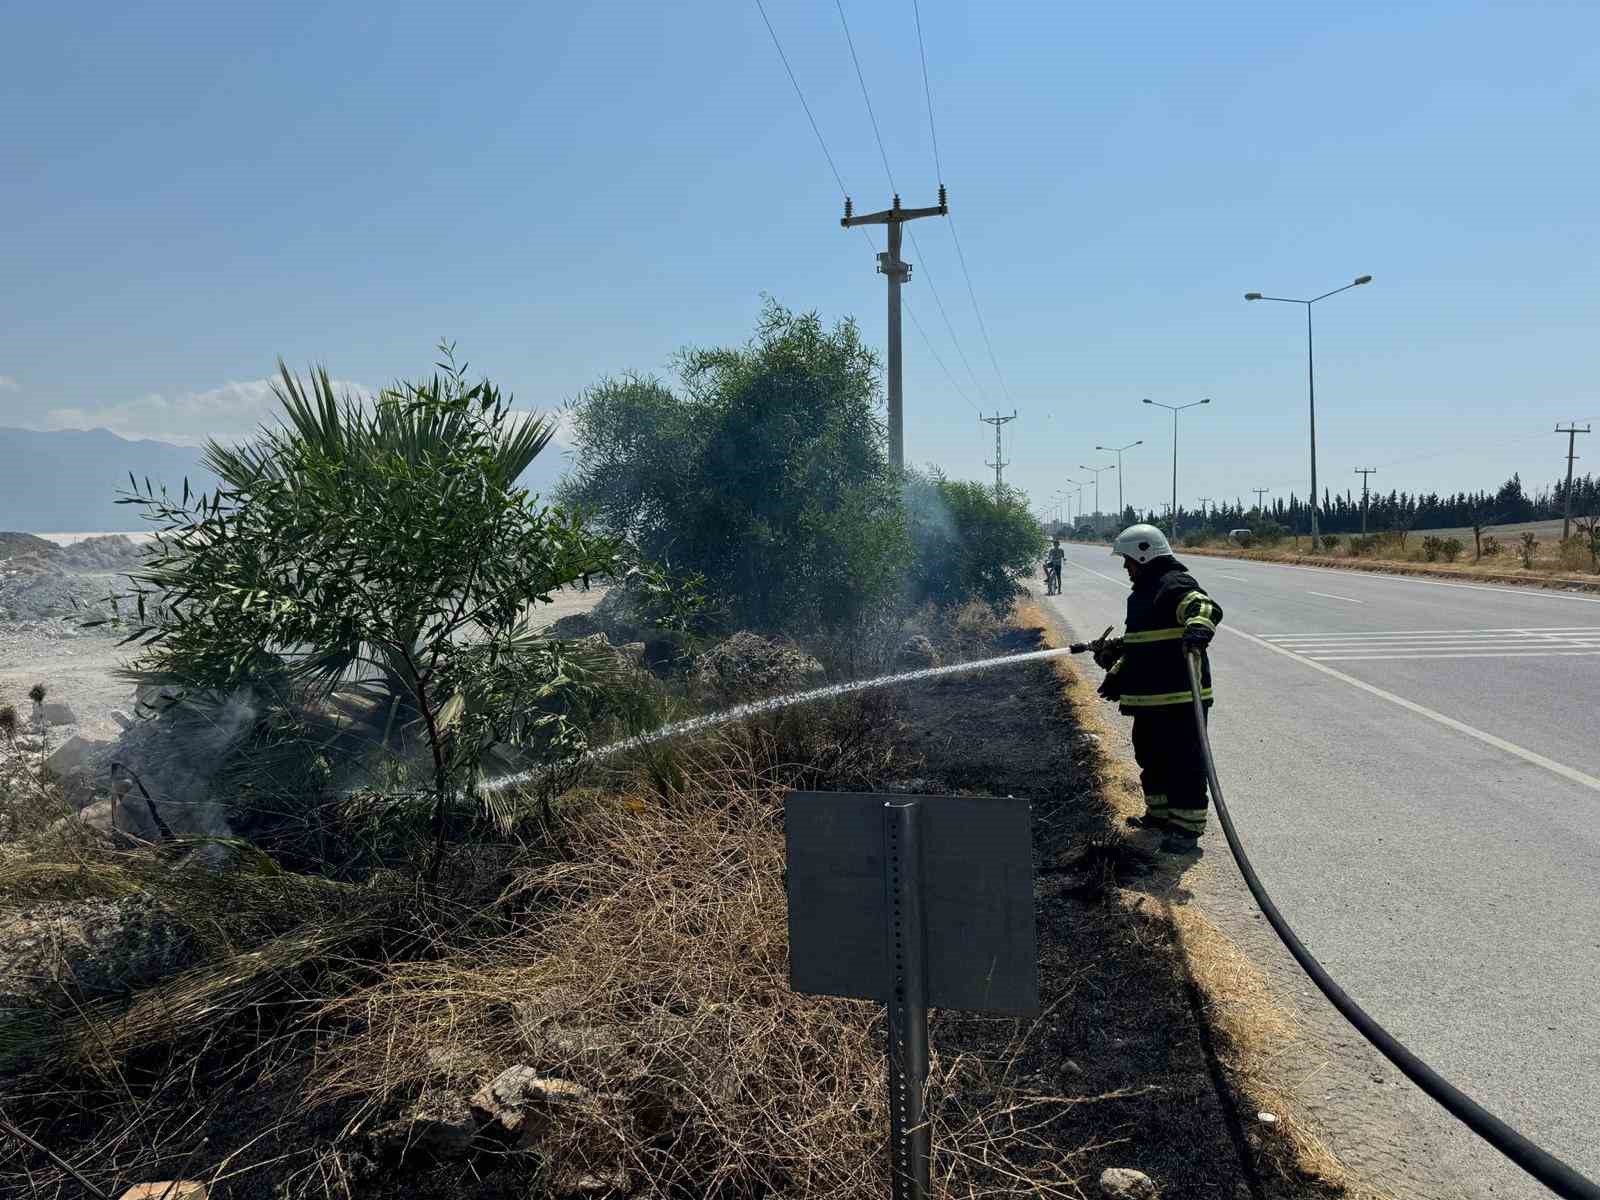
{"x": 909, "y": 1135}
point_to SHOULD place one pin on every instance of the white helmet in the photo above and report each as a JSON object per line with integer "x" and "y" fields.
{"x": 1141, "y": 543}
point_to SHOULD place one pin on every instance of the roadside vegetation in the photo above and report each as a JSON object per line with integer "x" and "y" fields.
{"x": 351, "y": 910}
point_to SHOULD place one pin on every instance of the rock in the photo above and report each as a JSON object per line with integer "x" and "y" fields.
{"x": 75, "y": 754}
{"x": 518, "y": 1098}
{"x": 916, "y": 653}
{"x": 633, "y": 651}
{"x": 166, "y": 1189}
{"x": 748, "y": 665}
{"x": 122, "y": 718}
{"x": 58, "y": 714}
{"x": 1124, "y": 1183}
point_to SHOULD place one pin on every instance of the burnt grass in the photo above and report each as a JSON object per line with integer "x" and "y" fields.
{"x": 1118, "y": 1032}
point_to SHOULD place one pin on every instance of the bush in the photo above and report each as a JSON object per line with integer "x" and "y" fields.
{"x": 391, "y": 536}
{"x": 1430, "y": 548}
{"x": 970, "y": 544}
{"x": 1528, "y": 548}
{"x": 766, "y": 473}
{"x": 1361, "y": 544}
{"x": 1330, "y": 541}
{"x": 1451, "y": 548}
{"x": 1491, "y": 546}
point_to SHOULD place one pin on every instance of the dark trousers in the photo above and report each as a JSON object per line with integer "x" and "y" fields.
{"x": 1172, "y": 768}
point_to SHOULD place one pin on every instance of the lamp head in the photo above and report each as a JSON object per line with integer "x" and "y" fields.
{"x": 1364, "y": 279}
{"x": 1147, "y": 400}
{"x": 1207, "y": 400}
{"x": 1252, "y": 295}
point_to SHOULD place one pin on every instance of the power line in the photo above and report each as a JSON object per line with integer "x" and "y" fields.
{"x": 961, "y": 256}
{"x": 843, "y": 191}
{"x": 850, "y": 41}
{"x": 837, "y": 178}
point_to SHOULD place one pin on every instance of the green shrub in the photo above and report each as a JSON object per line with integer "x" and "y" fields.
{"x": 1361, "y": 544}
{"x": 1491, "y": 546}
{"x": 766, "y": 473}
{"x": 1430, "y": 548}
{"x": 969, "y": 543}
{"x": 391, "y": 536}
{"x": 1330, "y": 541}
{"x": 1451, "y": 548}
{"x": 1528, "y": 548}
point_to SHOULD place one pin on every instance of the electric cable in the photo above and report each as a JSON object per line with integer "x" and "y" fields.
{"x": 916, "y": 246}
{"x": 1556, "y": 1175}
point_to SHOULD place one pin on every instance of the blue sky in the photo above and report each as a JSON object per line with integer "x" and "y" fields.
{"x": 568, "y": 191}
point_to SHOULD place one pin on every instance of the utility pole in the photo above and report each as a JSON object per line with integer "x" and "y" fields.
{"x": 1260, "y": 492}
{"x": 897, "y": 271}
{"x": 999, "y": 464}
{"x": 1204, "y": 519}
{"x": 1364, "y": 472}
{"x": 1572, "y": 431}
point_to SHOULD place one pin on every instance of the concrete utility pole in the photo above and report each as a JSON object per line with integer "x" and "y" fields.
{"x": 1260, "y": 492}
{"x": 999, "y": 464}
{"x": 1572, "y": 431}
{"x": 1204, "y": 500}
{"x": 1174, "y": 409}
{"x": 1364, "y": 472}
{"x": 890, "y": 264}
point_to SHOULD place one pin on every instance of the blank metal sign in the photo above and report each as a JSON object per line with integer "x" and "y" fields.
{"x": 977, "y": 880}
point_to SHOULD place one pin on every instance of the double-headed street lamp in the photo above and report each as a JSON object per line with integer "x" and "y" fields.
{"x": 1095, "y": 471}
{"x": 1117, "y": 450}
{"x": 1175, "y": 409}
{"x": 1311, "y": 383}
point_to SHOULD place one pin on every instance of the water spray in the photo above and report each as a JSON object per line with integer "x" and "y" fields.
{"x": 756, "y": 708}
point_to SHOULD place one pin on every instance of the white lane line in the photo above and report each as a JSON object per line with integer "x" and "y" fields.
{"x": 1239, "y": 578}
{"x": 1571, "y": 774}
{"x": 1387, "y": 657}
{"x": 1554, "y": 629}
{"x": 1331, "y": 596}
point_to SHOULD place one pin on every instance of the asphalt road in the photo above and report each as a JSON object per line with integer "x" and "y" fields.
{"x": 1414, "y": 768}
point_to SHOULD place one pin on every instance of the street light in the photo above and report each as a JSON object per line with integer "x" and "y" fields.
{"x": 1175, "y": 410}
{"x": 1117, "y": 450}
{"x": 1095, "y": 471}
{"x": 1311, "y": 383}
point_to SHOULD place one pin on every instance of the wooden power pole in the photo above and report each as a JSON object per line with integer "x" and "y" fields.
{"x": 1572, "y": 431}
{"x": 897, "y": 271}
{"x": 999, "y": 464}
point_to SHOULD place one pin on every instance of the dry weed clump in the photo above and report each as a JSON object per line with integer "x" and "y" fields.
{"x": 652, "y": 971}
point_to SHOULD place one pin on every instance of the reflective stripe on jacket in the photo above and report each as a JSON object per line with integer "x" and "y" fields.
{"x": 1152, "y": 672}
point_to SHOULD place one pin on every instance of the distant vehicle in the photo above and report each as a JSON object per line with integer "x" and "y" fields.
{"x": 1240, "y": 537}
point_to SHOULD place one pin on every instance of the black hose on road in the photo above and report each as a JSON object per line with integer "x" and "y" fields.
{"x": 1542, "y": 1165}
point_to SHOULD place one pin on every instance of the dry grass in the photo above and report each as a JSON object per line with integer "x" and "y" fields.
{"x": 657, "y": 977}
{"x": 1553, "y": 566}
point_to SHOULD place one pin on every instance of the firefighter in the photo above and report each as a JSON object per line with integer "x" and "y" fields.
{"x": 1147, "y": 675}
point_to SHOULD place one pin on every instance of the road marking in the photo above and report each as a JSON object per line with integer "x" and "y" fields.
{"x": 1381, "y": 657}
{"x": 1552, "y": 629}
{"x": 1239, "y": 578}
{"x": 1549, "y": 764}
{"x": 1331, "y": 596}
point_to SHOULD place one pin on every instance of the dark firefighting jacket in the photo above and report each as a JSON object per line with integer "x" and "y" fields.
{"x": 1151, "y": 672}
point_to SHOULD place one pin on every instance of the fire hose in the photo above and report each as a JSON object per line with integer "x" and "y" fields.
{"x": 1542, "y": 1165}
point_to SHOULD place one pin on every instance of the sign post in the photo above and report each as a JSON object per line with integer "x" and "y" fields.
{"x": 918, "y": 902}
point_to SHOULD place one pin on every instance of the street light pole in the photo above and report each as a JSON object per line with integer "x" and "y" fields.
{"x": 1311, "y": 380}
{"x": 1175, "y": 410}
{"x": 1095, "y": 471}
{"x": 1117, "y": 450}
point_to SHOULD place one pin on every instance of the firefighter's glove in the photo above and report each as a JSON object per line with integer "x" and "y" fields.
{"x": 1110, "y": 687}
{"x": 1106, "y": 653}
{"x": 1197, "y": 637}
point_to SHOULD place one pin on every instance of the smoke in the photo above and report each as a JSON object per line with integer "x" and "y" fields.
{"x": 177, "y": 756}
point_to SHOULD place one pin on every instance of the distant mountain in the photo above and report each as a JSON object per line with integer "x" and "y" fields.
{"x": 68, "y": 480}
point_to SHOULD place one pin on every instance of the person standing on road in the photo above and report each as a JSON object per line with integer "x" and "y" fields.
{"x": 1147, "y": 675}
